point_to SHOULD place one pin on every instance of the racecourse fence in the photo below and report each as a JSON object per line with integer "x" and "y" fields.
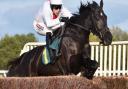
{"x": 63, "y": 82}
{"x": 113, "y": 59}
{"x": 3, "y": 73}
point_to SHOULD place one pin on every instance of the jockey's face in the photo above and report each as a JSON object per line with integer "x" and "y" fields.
{"x": 56, "y": 9}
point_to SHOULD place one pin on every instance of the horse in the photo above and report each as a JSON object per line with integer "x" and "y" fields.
{"x": 75, "y": 48}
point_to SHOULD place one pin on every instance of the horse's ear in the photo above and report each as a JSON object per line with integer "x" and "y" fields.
{"x": 82, "y": 6}
{"x": 101, "y": 3}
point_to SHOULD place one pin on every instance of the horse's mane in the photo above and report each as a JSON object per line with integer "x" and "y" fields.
{"x": 84, "y": 10}
{"x": 86, "y": 7}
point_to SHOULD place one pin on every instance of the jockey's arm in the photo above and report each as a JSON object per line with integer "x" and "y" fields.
{"x": 40, "y": 28}
{"x": 57, "y": 26}
{"x": 37, "y": 23}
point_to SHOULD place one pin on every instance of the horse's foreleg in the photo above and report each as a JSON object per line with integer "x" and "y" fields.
{"x": 90, "y": 66}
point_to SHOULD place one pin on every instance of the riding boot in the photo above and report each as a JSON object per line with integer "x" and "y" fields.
{"x": 48, "y": 42}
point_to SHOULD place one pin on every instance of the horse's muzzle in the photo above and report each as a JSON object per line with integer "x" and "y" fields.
{"x": 107, "y": 38}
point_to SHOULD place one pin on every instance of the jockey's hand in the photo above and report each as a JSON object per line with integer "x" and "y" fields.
{"x": 39, "y": 26}
{"x": 64, "y": 19}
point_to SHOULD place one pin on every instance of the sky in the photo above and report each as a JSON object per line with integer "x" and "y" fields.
{"x": 16, "y": 16}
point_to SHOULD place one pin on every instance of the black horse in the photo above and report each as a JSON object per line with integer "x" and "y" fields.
{"x": 75, "y": 48}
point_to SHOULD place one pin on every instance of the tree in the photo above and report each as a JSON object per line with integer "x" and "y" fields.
{"x": 10, "y": 47}
{"x": 119, "y": 34}
{"x": 93, "y": 38}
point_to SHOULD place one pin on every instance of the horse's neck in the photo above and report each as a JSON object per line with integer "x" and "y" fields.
{"x": 83, "y": 20}
{"x": 76, "y": 32}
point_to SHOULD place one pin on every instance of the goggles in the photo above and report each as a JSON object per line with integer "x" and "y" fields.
{"x": 56, "y": 7}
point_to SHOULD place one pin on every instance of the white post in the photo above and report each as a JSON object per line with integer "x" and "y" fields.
{"x": 92, "y": 52}
{"x": 105, "y": 60}
{"x": 101, "y": 60}
{"x": 124, "y": 59}
{"x": 114, "y": 60}
{"x": 97, "y": 57}
{"x": 110, "y": 60}
{"x": 119, "y": 59}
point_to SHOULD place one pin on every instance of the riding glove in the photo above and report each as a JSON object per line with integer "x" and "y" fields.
{"x": 64, "y": 19}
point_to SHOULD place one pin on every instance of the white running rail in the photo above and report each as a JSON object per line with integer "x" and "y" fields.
{"x": 113, "y": 59}
{"x": 3, "y": 73}
{"x": 30, "y": 46}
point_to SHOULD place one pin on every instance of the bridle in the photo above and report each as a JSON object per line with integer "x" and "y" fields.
{"x": 93, "y": 23}
{"x": 95, "y": 26}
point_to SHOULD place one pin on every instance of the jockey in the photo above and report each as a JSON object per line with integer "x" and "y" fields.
{"x": 48, "y": 18}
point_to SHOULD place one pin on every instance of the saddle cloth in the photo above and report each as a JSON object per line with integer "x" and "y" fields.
{"x": 55, "y": 45}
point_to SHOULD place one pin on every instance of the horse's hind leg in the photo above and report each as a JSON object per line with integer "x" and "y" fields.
{"x": 90, "y": 68}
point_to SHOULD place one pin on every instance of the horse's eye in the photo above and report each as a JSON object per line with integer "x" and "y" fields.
{"x": 101, "y": 14}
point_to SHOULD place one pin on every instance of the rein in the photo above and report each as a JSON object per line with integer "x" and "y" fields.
{"x": 80, "y": 26}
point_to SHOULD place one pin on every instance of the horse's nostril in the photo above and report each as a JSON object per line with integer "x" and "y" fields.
{"x": 108, "y": 38}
